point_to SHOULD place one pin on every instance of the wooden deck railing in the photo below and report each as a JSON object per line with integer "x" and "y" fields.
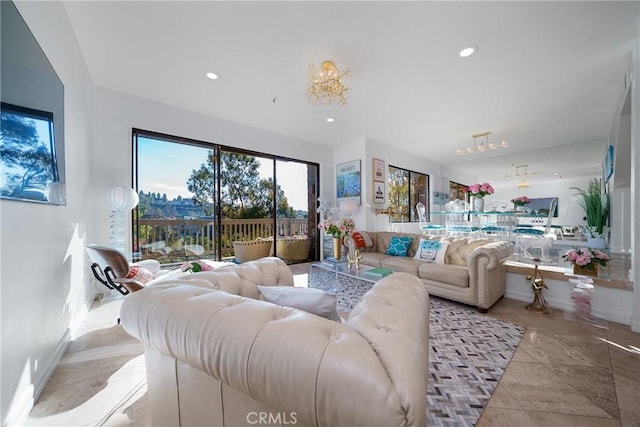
{"x": 182, "y": 239}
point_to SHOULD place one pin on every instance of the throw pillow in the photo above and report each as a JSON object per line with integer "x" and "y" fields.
{"x": 149, "y": 264}
{"x": 399, "y": 246}
{"x": 431, "y": 251}
{"x": 362, "y": 239}
{"x": 140, "y": 274}
{"x": 311, "y": 300}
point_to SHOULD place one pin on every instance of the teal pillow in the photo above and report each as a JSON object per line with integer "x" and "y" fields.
{"x": 399, "y": 246}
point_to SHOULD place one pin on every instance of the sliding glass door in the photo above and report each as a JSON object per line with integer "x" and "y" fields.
{"x": 175, "y": 217}
{"x": 197, "y": 199}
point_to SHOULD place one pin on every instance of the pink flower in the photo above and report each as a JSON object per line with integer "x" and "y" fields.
{"x": 490, "y": 190}
{"x": 586, "y": 257}
{"x": 483, "y": 187}
{"x": 571, "y": 255}
{"x": 583, "y": 260}
{"x": 475, "y": 188}
{"x": 195, "y": 266}
{"x": 600, "y": 255}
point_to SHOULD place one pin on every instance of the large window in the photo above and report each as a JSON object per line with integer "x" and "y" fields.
{"x": 406, "y": 189}
{"x": 197, "y": 199}
{"x": 456, "y": 191}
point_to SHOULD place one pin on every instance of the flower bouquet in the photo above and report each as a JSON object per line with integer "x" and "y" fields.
{"x": 479, "y": 190}
{"x": 338, "y": 229}
{"x": 195, "y": 266}
{"x": 520, "y": 201}
{"x": 585, "y": 261}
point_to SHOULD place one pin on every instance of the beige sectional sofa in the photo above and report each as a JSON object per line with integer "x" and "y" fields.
{"x": 473, "y": 271}
{"x": 218, "y": 355}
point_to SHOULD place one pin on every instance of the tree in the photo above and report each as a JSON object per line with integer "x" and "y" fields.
{"x": 26, "y": 159}
{"x": 398, "y": 194}
{"x": 243, "y": 194}
{"x": 202, "y": 183}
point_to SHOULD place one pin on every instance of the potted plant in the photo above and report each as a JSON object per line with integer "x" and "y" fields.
{"x": 520, "y": 202}
{"x": 478, "y": 191}
{"x": 585, "y": 261}
{"x": 337, "y": 229}
{"x": 595, "y": 205}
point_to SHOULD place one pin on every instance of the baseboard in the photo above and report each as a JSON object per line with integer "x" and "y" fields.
{"x": 20, "y": 407}
{"x": 40, "y": 381}
{"x": 24, "y": 400}
{"x": 528, "y": 297}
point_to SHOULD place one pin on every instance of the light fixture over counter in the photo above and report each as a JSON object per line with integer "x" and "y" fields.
{"x": 326, "y": 85}
{"x": 482, "y": 145}
{"x": 522, "y": 171}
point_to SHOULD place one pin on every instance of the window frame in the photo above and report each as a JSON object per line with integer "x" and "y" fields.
{"x": 412, "y": 215}
{"x": 53, "y": 174}
{"x": 218, "y": 149}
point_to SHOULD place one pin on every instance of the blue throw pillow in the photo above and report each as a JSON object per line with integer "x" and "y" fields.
{"x": 399, "y": 246}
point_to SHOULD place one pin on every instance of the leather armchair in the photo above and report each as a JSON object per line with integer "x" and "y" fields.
{"x": 218, "y": 359}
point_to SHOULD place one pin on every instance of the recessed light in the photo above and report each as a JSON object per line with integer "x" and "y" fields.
{"x": 212, "y": 76}
{"x": 330, "y": 119}
{"x": 468, "y": 51}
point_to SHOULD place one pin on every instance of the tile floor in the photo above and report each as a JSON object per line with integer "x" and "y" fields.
{"x": 563, "y": 373}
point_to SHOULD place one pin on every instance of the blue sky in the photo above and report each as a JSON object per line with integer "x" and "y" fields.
{"x": 165, "y": 167}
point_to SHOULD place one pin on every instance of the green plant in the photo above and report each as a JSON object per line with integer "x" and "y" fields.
{"x": 596, "y": 207}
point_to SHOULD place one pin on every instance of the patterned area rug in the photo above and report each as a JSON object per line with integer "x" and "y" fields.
{"x": 468, "y": 353}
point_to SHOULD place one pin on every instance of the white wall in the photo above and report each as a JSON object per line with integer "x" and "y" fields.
{"x": 635, "y": 187}
{"x": 42, "y": 261}
{"x": 117, "y": 113}
{"x": 353, "y": 150}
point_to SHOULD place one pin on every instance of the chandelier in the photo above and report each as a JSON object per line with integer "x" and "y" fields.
{"x": 482, "y": 145}
{"x": 325, "y": 84}
{"x": 521, "y": 172}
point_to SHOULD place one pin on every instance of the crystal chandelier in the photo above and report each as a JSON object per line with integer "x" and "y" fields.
{"x": 325, "y": 84}
{"x": 482, "y": 145}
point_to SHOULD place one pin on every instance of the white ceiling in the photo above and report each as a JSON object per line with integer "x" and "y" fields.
{"x": 545, "y": 74}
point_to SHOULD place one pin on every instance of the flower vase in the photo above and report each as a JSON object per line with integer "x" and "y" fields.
{"x": 585, "y": 271}
{"x": 597, "y": 242}
{"x": 337, "y": 248}
{"x": 478, "y": 204}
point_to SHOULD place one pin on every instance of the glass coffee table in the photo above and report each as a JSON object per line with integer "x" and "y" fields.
{"x": 348, "y": 283}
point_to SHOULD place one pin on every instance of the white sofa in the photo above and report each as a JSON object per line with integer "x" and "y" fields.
{"x": 473, "y": 271}
{"x": 217, "y": 355}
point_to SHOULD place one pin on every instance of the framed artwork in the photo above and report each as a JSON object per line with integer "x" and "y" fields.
{"x": 378, "y": 170}
{"x": 348, "y": 181}
{"x": 378, "y": 192}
